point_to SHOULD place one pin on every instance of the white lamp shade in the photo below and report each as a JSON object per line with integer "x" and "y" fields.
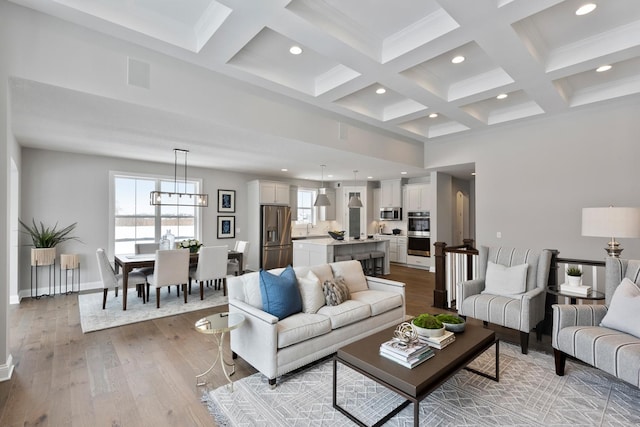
{"x": 611, "y": 222}
{"x": 322, "y": 200}
{"x": 355, "y": 202}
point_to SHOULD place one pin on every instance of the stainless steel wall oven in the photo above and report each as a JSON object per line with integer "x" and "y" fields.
{"x": 419, "y": 234}
{"x": 419, "y": 246}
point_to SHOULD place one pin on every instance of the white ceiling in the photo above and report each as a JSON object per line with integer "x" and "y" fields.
{"x": 539, "y": 53}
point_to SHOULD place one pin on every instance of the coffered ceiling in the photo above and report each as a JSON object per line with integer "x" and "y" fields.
{"x": 540, "y": 54}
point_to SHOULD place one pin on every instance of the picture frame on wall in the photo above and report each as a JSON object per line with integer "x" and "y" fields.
{"x": 226, "y": 227}
{"x": 227, "y": 201}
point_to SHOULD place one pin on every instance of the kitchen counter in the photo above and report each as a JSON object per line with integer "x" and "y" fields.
{"x": 308, "y": 252}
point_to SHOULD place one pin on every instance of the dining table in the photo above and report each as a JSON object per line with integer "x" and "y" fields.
{"x": 128, "y": 262}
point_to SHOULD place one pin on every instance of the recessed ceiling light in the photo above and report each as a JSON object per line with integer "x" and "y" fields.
{"x": 502, "y": 96}
{"x": 602, "y": 68}
{"x": 329, "y": 176}
{"x": 284, "y": 170}
{"x": 586, "y": 8}
{"x": 369, "y": 177}
{"x": 403, "y": 173}
{"x": 458, "y": 59}
{"x": 433, "y": 115}
{"x": 295, "y": 50}
{"x": 380, "y": 90}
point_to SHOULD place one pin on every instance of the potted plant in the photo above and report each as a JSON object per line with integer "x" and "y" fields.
{"x": 192, "y": 244}
{"x": 45, "y": 240}
{"x": 574, "y": 276}
{"x": 451, "y": 322}
{"x": 428, "y": 325}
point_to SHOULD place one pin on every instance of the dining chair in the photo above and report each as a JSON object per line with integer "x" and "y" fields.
{"x": 212, "y": 265}
{"x": 146, "y": 248}
{"x": 233, "y": 266}
{"x": 111, "y": 280}
{"x": 171, "y": 268}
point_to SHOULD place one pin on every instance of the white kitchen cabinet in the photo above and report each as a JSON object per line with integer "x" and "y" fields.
{"x": 402, "y": 250}
{"x": 397, "y": 248}
{"x": 418, "y": 197}
{"x": 307, "y": 254}
{"x": 274, "y": 193}
{"x": 391, "y": 193}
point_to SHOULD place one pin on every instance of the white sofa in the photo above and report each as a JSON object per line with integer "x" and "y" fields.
{"x": 275, "y": 347}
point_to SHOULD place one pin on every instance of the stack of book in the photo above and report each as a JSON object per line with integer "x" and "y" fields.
{"x": 575, "y": 290}
{"x": 439, "y": 342}
{"x": 409, "y": 355}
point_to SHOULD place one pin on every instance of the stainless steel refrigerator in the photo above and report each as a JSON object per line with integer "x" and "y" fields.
{"x": 276, "y": 249}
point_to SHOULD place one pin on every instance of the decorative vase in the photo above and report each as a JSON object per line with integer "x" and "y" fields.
{"x": 43, "y": 256}
{"x": 574, "y": 280}
{"x": 194, "y": 249}
{"x": 429, "y": 332}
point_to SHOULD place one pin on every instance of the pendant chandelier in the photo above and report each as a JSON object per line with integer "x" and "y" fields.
{"x": 322, "y": 199}
{"x": 177, "y": 198}
{"x": 354, "y": 201}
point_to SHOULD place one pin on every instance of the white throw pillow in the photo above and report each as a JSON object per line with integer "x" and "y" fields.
{"x": 352, "y": 273}
{"x": 624, "y": 308}
{"x": 506, "y": 281}
{"x": 311, "y": 293}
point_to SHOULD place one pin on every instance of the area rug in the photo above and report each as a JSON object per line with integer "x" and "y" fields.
{"x": 94, "y": 318}
{"x": 529, "y": 394}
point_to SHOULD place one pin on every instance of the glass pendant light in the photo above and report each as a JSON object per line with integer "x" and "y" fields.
{"x": 322, "y": 199}
{"x": 354, "y": 201}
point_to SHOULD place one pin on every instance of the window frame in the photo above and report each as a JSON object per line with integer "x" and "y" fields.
{"x": 158, "y": 218}
{"x": 314, "y": 209}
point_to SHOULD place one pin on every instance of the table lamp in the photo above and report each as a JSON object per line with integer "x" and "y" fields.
{"x": 612, "y": 222}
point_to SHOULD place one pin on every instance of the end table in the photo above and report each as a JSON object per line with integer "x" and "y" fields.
{"x": 217, "y": 325}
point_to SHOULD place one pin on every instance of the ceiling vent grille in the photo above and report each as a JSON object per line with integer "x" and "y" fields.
{"x": 138, "y": 73}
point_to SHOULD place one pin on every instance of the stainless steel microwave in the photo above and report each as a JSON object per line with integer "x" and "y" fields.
{"x": 391, "y": 214}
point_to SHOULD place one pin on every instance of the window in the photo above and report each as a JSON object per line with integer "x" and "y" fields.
{"x": 306, "y": 210}
{"x": 137, "y": 221}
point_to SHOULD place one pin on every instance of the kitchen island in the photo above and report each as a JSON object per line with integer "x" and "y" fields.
{"x": 321, "y": 251}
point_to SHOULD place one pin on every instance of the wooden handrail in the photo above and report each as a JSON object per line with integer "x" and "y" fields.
{"x": 440, "y": 292}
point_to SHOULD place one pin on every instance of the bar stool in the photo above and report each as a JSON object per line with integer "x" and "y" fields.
{"x": 337, "y": 258}
{"x": 365, "y": 260}
{"x": 378, "y": 269}
{"x": 69, "y": 262}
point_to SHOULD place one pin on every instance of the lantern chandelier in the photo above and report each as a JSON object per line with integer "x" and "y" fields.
{"x": 177, "y": 198}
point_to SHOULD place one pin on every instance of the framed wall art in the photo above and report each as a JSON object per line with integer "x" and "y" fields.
{"x": 226, "y": 227}
{"x": 227, "y": 201}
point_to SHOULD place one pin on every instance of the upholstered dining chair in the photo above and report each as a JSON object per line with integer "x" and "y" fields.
{"x": 212, "y": 265}
{"x": 233, "y": 266}
{"x": 111, "y": 280}
{"x": 146, "y": 248}
{"x": 171, "y": 268}
{"x": 510, "y": 290}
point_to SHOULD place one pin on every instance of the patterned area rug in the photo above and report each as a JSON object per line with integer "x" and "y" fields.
{"x": 94, "y": 318}
{"x": 529, "y": 394}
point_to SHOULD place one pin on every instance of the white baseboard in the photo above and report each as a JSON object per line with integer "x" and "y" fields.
{"x": 6, "y": 370}
{"x": 26, "y": 293}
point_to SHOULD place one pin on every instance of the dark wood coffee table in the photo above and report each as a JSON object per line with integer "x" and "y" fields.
{"x": 417, "y": 383}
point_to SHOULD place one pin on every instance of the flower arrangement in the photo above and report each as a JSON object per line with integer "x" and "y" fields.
{"x": 193, "y": 245}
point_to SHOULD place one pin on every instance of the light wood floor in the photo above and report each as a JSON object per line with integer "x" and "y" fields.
{"x": 135, "y": 375}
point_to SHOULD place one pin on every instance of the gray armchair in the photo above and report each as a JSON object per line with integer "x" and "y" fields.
{"x": 577, "y": 331}
{"x": 522, "y": 311}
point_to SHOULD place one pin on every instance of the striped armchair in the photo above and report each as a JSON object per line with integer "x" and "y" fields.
{"x": 576, "y": 331}
{"x": 520, "y": 311}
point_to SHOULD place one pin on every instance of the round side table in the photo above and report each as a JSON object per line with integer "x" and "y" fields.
{"x": 217, "y": 325}
{"x": 593, "y": 296}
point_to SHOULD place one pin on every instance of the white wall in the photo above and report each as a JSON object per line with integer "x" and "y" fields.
{"x": 534, "y": 178}
{"x": 67, "y": 188}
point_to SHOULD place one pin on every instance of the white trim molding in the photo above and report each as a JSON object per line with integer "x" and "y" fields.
{"x": 6, "y": 370}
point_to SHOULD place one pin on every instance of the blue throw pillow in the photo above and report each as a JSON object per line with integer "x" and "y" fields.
{"x": 280, "y": 294}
